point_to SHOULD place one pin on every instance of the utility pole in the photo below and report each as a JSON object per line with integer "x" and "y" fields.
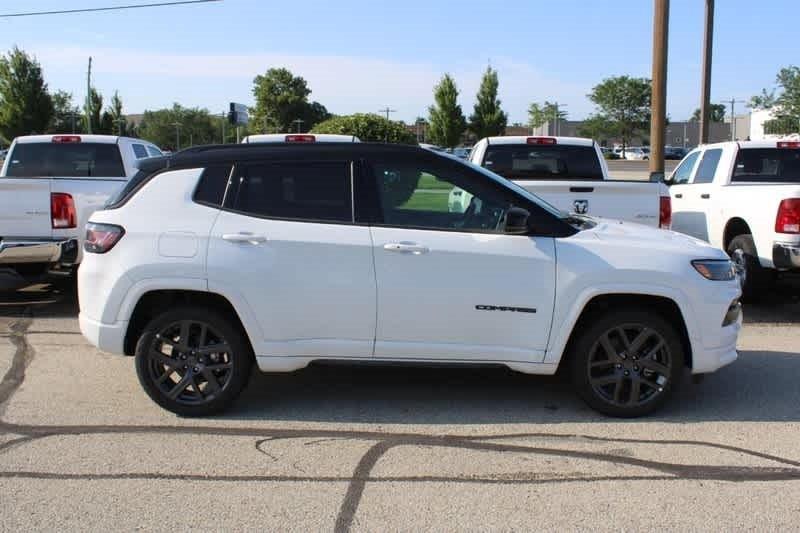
{"x": 557, "y": 117}
{"x": 658, "y": 104}
{"x": 387, "y": 110}
{"x": 733, "y": 102}
{"x": 298, "y": 122}
{"x": 177, "y": 135}
{"x": 224, "y": 118}
{"x": 89, "y": 98}
{"x": 705, "y": 95}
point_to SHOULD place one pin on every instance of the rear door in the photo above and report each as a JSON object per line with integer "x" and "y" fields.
{"x": 697, "y": 196}
{"x": 24, "y": 194}
{"x": 286, "y": 246}
{"x": 679, "y": 192}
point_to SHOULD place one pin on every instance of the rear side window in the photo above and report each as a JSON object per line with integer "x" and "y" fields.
{"x": 70, "y": 160}
{"x": 296, "y": 190}
{"x": 153, "y": 152}
{"x": 549, "y": 161}
{"x": 767, "y": 165}
{"x": 684, "y": 170}
{"x": 708, "y": 166}
{"x": 211, "y": 188}
{"x": 139, "y": 151}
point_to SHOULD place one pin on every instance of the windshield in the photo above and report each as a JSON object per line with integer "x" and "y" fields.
{"x": 556, "y": 212}
{"x": 72, "y": 160}
{"x": 550, "y": 161}
{"x": 779, "y": 165}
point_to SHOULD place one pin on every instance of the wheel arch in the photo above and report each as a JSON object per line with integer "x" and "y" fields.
{"x": 154, "y": 301}
{"x": 667, "y": 307}
{"x": 735, "y": 226}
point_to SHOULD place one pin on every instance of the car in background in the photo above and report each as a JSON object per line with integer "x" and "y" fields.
{"x": 675, "y": 152}
{"x": 637, "y": 153}
{"x": 743, "y": 197}
{"x": 609, "y": 153}
{"x": 462, "y": 152}
{"x": 300, "y": 138}
{"x": 49, "y": 187}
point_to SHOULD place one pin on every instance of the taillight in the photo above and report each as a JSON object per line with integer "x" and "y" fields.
{"x": 66, "y": 139}
{"x": 300, "y": 139}
{"x": 789, "y": 144}
{"x": 541, "y": 140}
{"x": 100, "y": 238}
{"x": 62, "y": 211}
{"x": 665, "y": 212}
{"x": 788, "y": 219}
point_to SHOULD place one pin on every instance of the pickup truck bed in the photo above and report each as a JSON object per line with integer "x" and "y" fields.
{"x": 571, "y": 174}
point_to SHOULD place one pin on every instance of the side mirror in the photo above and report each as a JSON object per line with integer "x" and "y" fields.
{"x": 517, "y": 221}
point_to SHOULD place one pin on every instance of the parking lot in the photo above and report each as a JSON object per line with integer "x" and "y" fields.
{"x": 411, "y": 448}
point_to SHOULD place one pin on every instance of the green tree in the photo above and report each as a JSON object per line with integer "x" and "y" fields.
{"x": 179, "y": 127}
{"x": 115, "y": 115}
{"x": 765, "y": 100}
{"x": 539, "y": 115}
{"x": 25, "y": 105}
{"x": 488, "y": 119}
{"x": 447, "y": 122}
{"x": 717, "y": 113}
{"x": 597, "y": 127}
{"x": 368, "y": 127}
{"x": 625, "y": 103}
{"x": 784, "y": 100}
{"x": 281, "y": 98}
{"x": 66, "y": 115}
{"x": 93, "y": 112}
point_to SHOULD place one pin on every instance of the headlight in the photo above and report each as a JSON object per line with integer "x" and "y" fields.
{"x": 715, "y": 269}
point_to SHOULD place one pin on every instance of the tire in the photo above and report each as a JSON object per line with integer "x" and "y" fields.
{"x": 209, "y": 381}
{"x": 755, "y": 279}
{"x": 609, "y": 385}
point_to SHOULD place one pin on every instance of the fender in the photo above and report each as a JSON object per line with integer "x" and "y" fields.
{"x": 560, "y": 337}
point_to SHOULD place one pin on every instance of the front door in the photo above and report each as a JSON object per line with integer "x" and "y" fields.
{"x": 451, "y": 284}
{"x": 287, "y": 246}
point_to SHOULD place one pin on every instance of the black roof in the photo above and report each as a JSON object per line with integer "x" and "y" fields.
{"x": 220, "y": 153}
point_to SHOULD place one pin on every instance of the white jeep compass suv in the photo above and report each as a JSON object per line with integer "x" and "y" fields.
{"x": 219, "y": 257}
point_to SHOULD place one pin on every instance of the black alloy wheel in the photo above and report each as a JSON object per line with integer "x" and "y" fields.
{"x": 627, "y": 363}
{"x": 192, "y": 362}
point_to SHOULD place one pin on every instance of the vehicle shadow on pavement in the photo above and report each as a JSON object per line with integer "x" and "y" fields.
{"x": 760, "y": 386}
{"x": 780, "y": 306}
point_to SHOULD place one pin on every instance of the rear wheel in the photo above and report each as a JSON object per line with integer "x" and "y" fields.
{"x": 627, "y": 363}
{"x": 754, "y": 279}
{"x": 193, "y": 362}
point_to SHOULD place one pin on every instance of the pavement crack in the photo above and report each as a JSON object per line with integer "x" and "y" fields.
{"x": 18, "y": 336}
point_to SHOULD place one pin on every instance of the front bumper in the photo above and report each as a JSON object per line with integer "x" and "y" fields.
{"x": 34, "y": 250}
{"x": 786, "y": 256}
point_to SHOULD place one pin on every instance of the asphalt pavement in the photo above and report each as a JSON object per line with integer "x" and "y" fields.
{"x": 404, "y": 449}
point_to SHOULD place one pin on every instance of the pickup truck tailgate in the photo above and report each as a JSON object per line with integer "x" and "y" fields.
{"x": 25, "y": 207}
{"x": 633, "y": 201}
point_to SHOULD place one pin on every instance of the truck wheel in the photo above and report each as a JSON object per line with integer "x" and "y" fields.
{"x": 193, "y": 362}
{"x": 754, "y": 279}
{"x": 626, "y": 363}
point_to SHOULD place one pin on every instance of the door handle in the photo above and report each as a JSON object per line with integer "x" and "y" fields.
{"x": 244, "y": 237}
{"x": 406, "y": 248}
{"x": 705, "y": 196}
{"x": 679, "y": 195}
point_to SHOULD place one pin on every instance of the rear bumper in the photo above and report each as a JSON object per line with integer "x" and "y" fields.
{"x": 108, "y": 337}
{"x": 786, "y": 256}
{"x": 33, "y": 250}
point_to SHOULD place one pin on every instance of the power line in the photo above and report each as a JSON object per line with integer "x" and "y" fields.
{"x": 110, "y": 8}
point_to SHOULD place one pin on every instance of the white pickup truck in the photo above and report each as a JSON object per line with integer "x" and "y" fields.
{"x": 49, "y": 186}
{"x": 571, "y": 174}
{"x": 743, "y": 197}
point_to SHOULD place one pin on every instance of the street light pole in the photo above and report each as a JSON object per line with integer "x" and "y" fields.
{"x": 658, "y": 105}
{"x": 298, "y": 122}
{"x": 705, "y": 96}
{"x": 177, "y": 135}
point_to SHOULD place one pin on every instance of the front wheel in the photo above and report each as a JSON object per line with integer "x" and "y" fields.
{"x": 626, "y": 363}
{"x": 193, "y": 362}
{"x": 754, "y": 279}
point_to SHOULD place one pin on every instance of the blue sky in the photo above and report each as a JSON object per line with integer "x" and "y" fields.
{"x": 361, "y": 55}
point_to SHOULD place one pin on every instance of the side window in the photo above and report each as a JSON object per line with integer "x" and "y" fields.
{"x": 684, "y": 170}
{"x": 419, "y": 195}
{"x": 211, "y": 187}
{"x": 139, "y": 151}
{"x": 153, "y": 152}
{"x": 296, "y": 190}
{"x": 708, "y": 166}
